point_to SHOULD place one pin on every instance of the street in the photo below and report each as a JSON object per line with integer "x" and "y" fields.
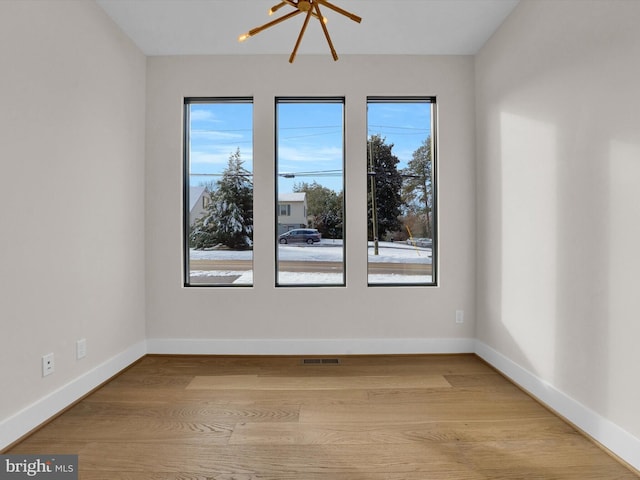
{"x": 312, "y": 266}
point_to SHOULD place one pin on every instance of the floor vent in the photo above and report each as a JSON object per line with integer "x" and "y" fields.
{"x": 321, "y": 361}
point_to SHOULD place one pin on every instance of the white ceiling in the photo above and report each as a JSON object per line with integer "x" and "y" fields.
{"x": 202, "y": 27}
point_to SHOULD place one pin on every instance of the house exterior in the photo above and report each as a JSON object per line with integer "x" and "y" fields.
{"x": 292, "y": 208}
{"x": 292, "y": 211}
{"x": 198, "y": 200}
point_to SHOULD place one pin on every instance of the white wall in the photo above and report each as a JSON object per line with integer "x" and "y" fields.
{"x": 72, "y": 99}
{"x": 558, "y": 213}
{"x": 351, "y": 319}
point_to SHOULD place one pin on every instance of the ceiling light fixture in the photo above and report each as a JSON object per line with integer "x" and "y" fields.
{"x": 312, "y": 9}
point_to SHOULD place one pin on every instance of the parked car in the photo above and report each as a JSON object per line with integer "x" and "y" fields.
{"x": 308, "y": 235}
{"x": 420, "y": 242}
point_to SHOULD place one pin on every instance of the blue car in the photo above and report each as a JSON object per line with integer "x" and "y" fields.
{"x": 300, "y": 235}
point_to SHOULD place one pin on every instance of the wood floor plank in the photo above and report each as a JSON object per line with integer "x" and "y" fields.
{"x": 535, "y": 456}
{"x": 475, "y": 395}
{"x": 477, "y": 380}
{"x": 143, "y": 429}
{"x": 292, "y": 433}
{"x": 302, "y": 460}
{"x": 419, "y": 412}
{"x": 459, "y": 475}
{"x": 226, "y": 397}
{"x": 187, "y": 411}
{"x": 257, "y": 382}
{"x": 545, "y": 472}
{"x": 292, "y": 365}
{"x": 455, "y": 460}
{"x": 278, "y": 398}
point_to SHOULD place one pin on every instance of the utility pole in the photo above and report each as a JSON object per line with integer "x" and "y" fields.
{"x": 374, "y": 202}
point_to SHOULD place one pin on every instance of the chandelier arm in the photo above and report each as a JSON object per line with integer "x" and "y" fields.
{"x": 277, "y": 7}
{"x": 302, "y": 30}
{"x": 257, "y": 30}
{"x": 326, "y": 32}
{"x": 335, "y": 8}
{"x": 295, "y": 5}
{"x": 286, "y": 2}
{"x": 312, "y": 9}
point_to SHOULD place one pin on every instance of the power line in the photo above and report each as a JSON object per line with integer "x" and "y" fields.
{"x": 193, "y": 174}
{"x": 313, "y": 173}
{"x": 309, "y": 126}
{"x": 216, "y": 130}
{"x": 312, "y": 135}
{"x": 316, "y": 173}
{"x": 399, "y": 128}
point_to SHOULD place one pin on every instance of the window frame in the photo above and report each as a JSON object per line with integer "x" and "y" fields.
{"x": 188, "y": 102}
{"x": 287, "y": 210}
{"x": 286, "y": 99}
{"x": 186, "y": 142}
{"x": 435, "y": 249}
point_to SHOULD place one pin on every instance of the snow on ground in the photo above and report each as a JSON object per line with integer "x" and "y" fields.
{"x": 392, "y": 252}
{"x": 220, "y": 254}
{"x": 325, "y": 251}
{"x": 309, "y": 278}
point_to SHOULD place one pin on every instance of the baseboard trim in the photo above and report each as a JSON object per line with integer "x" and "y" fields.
{"x": 358, "y": 346}
{"x": 615, "y": 439}
{"x": 29, "y": 418}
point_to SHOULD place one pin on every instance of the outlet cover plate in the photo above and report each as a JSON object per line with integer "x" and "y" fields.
{"x": 48, "y": 364}
{"x": 81, "y": 348}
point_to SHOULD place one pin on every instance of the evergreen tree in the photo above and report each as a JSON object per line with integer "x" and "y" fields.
{"x": 417, "y": 190}
{"x": 229, "y": 216}
{"x": 383, "y": 167}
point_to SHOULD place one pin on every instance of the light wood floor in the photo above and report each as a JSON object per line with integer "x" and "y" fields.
{"x": 273, "y": 418}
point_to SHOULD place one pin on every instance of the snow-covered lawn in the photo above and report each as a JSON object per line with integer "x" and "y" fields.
{"x": 325, "y": 251}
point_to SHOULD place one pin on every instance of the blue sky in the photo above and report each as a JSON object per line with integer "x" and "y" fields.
{"x": 217, "y": 130}
{"x": 310, "y": 144}
{"x": 310, "y": 138}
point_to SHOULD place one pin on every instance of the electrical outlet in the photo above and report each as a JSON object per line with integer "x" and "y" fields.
{"x": 459, "y": 316}
{"x": 48, "y": 365}
{"x": 81, "y": 348}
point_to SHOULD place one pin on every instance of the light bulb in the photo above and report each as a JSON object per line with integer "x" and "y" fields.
{"x": 243, "y": 37}
{"x": 275, "y": 8}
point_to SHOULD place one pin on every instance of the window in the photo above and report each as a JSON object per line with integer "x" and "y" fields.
{"x": 285, "y": 210}
{"x": 401, "y": 191}
{"x": 310, "y": 180}
{"x": 218, "y": 192}
{"x": 309, "y": 197}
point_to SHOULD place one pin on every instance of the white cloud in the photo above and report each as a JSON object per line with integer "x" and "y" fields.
{"x": 219, "y": 155}
{"x": 214, "y": 135}
{"x": 208, "y": 158}
{"x": 311, "y": 154}
{"x": 202, "y": 116}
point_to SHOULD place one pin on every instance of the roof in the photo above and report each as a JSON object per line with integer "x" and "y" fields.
{"x": 292, "y": 197}
{"x": 194, "y": 195}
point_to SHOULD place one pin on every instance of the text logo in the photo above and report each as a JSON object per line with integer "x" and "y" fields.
{"x": 50, "y": 467}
